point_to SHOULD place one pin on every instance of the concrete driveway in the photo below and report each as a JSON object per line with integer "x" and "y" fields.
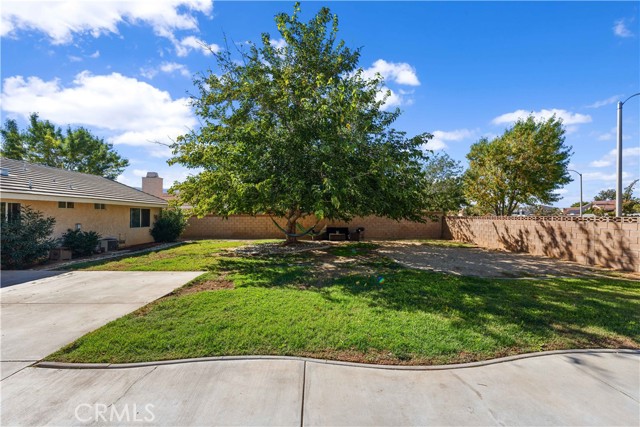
{"x": 40, "y": 316}
{"x": 592, "y": 388}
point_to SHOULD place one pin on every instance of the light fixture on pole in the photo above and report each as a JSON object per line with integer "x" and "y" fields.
{"x": 571, "y": 170}
{"x": 619, "y": 162}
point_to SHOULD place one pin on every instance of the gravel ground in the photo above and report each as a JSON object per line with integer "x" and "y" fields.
{"x": 485, "y": 263}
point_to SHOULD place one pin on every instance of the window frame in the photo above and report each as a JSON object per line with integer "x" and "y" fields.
{"x": 66, "y": 205}
{"x": 139, "y": 218}
{"x": 10, "y": 211}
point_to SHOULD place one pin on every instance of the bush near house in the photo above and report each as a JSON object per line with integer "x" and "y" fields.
{"x": 26, "y": 240}
{"x": 169, "y": 226}
{"x": 80, "y": 242}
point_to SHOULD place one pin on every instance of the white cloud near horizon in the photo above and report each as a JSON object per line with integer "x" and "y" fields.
{"x": 397, "y": 72}
{"x": 611, "y": 100}
{"x": 61, "y": 21}
{"x": 630, "y": 156}
{"x": 130, "y": 111}
{"x": 620, "y": 29}
{"x": 568, "y": 118}
{"x": 440, "y": 138}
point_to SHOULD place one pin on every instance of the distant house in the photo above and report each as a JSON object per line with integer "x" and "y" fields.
{"x": 78, "y": 200}
{"x": 575, "y": 211}
{"x": 604, "y": 206}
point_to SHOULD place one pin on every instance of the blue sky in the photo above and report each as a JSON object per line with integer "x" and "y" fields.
{"x": 460, "y": 70}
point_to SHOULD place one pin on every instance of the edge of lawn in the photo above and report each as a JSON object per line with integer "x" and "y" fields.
{"x": 68, "y": 365}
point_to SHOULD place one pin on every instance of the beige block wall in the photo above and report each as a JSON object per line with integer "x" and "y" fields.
{"x": 110, "y": 222}
{"x": 261, "y": 227}
{"x": 608, "y": 242}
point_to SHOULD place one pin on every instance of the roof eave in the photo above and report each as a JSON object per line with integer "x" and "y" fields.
{"x": 35, "y": 196}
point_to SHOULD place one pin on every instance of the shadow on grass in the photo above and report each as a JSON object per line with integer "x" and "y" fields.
{"x": 587, "y": 311}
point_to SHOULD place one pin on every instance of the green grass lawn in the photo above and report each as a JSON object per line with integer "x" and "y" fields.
{"x": 350, "y": 303}
{"x": 200, "y": 255}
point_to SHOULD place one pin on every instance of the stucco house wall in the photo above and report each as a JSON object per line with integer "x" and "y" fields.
{"x": 113, "y": 221}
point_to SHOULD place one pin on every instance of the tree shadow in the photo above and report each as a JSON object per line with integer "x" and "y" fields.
{"x": 585, "y": 312}
{"x": 579, "y": 309}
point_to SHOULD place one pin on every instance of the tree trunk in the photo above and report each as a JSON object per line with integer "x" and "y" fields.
{"x": 291, "y": 229}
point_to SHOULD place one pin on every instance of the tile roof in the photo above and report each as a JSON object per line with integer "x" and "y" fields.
{"x": 35, "y": 181}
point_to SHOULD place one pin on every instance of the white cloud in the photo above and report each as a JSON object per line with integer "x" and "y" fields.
{"x": 61, "y": 20}
{"x": 611, "y": 100}
{"x": 278, "y": 44}
{"x": 568, "y": 118}
{"x": 440, "y": 138}
{"x": 187, "y": 44}
{"x": 630, "y": 156}
{"x": 172, "y": 67}
{"x": 605, "y": 136}
{"x": 601, "y": 176}
{"x": 393, "y": 99}
{"x": 129, "y": 111}
{"x": 398, "y": 72}
{"x": 149, "y": 73}
{"x": 95, "y": 54}
{"x": 620, "y": 29}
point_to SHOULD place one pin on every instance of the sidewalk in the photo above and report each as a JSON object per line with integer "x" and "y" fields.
{"x": 582, "y": 388}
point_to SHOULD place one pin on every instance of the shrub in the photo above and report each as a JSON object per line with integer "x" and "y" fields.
{"x": 169, "y": 225}
{"x": 80, "y": 242}
{"x": 27, "y": 240}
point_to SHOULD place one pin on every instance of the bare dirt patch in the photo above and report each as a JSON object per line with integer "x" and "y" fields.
{"x": 480, "y": 262}
{"x": 206, "y": 285}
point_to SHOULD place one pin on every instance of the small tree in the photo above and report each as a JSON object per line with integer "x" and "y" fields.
{"x": 169, "y": 225}
{"x": 296, "y": 130}
{"x": 524, "y": 166}
{"x": 26, "y": 240}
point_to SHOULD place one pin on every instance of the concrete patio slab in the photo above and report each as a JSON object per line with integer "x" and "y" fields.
{"x": 40, "y": 316}
{"x": 588, "y": 388}
{"x": 229, "y": 393}
{"x": 581, "y": 389}
{"x": 9, "y": 368}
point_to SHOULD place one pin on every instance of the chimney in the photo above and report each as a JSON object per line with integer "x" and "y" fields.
{"x": 152, "y": 184}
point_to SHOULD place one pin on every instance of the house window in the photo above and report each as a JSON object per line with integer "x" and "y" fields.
{"x": 99, "y": 206}
{"x": 66, "y": 205}
{"x": 10, "y": 211}
{"x": 140, "y": 218}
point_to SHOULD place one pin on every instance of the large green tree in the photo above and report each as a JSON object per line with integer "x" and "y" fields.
{"x": 525, "y": 165}
{"x": 444, "y": 191}
{"x": 296, "y": 130}
{"x": 75, "y": 149}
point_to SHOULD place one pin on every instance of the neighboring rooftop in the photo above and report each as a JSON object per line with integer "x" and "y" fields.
{"x": 37, "y": 182}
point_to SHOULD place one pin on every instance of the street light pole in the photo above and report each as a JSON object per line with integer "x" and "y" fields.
{"x": 619, "y": 162}
{"x": 571, "y": 170}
